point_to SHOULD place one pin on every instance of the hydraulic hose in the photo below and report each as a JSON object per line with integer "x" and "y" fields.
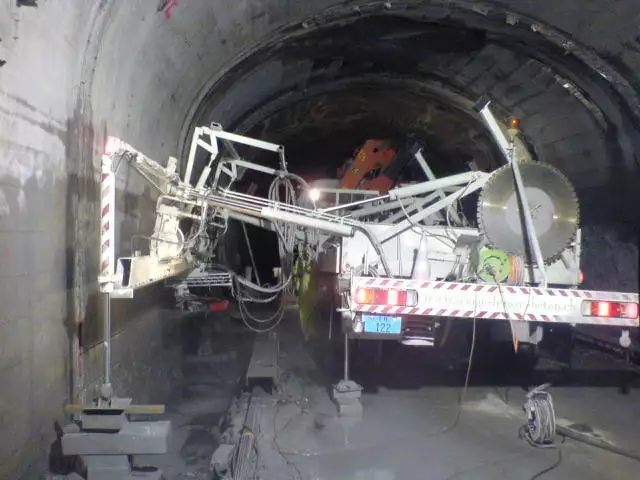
{"x": 377, "y": 247}
{"x": 580, "y": 437}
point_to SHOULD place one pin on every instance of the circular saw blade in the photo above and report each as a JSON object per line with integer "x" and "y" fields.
{"x": 552, "y": 201}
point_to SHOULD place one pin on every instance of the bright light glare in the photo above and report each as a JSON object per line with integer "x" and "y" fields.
{"x": 392, "y": 297}
{"x": 361, "y": 295}
{"x": 603, "y": 309}
{"x": 112, "y": 145}
{"x": 314, "y": 194}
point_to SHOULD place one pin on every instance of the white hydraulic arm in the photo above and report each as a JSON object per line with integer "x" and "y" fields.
{"x": 169, "y": 251}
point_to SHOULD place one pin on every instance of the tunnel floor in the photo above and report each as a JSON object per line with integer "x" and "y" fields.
{"x": 410, "y": 428}
{"x": 215, "y": 354}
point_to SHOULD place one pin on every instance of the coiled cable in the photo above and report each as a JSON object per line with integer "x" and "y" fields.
{"x": 540, "y": 430}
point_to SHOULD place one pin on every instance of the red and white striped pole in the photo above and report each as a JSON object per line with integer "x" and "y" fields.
{"x": 107, "y": 253}
{"x": 107, "y": 224}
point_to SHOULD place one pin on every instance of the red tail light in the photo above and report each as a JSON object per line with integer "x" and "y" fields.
{"x": 395, "y": 297}
{"x": 112, "y": 145}
{"x": 219, "y": 306}
{"x": 605, "y": 309}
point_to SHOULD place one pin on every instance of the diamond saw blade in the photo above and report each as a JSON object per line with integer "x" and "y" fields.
{"x": 552, "y": 201}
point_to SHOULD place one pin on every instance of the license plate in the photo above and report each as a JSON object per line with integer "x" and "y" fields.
{"x": 382, "y": 324}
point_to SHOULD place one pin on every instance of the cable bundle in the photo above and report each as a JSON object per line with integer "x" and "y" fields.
{"x": 540, "y": 429}
{"x": 516, "y": 271}
{"x": 244, "y": 291}
{"x": 286, "y": 232}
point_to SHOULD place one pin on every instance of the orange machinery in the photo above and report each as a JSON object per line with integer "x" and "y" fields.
{"x": 376, "y": 166}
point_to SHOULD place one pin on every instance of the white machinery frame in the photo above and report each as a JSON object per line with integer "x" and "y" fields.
{"x": 407, "y": 207}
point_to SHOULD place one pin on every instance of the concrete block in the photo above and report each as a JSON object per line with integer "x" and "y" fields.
{"x": 346, "y": 395}
{"x": 116, "y": 467}
{"x": 103, "y": 422}
{"x": 139, "y": 438}
{"x": 347, "y": 386}
{"x": 220, "y": 458}
{"x": 264, "y": 360}
{"x": 113, "y": 463}
{"x": 350, "y": 408}
{"x": 353, "y": 394}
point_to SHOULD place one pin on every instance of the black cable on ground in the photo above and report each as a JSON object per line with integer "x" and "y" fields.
{"x": 551, "y": 468}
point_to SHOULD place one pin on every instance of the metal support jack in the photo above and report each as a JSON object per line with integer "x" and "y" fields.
{"x": 347, "y": 393}
{"x": 103, "y": 436}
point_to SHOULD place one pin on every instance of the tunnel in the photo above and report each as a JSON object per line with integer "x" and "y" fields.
{"x": 317, "y": 77}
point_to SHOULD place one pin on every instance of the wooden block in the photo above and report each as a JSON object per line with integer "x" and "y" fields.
{"x": 130, "y": 410}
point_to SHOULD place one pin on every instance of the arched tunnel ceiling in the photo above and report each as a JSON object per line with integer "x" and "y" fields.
{"x": 305, "y": 72}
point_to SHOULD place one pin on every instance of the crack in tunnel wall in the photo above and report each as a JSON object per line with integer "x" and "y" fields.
{"x": 72, "y": 72}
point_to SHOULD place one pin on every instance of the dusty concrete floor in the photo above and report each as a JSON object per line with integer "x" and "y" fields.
{"x": 215, "y": 356}
{"x": 412, "y": 433}
{"x": 409, "y": 428}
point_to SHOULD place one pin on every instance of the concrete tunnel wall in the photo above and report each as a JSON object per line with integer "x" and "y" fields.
{"x": 72, "y": 72}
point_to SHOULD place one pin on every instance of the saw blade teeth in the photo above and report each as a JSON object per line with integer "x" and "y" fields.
{"x": 562, "y": 198}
